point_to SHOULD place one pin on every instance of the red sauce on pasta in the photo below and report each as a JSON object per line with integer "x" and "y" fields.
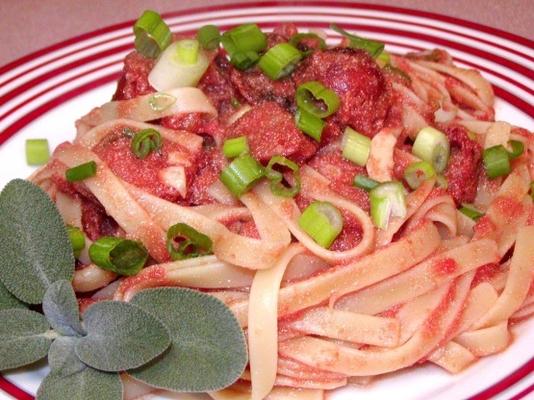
{"x": 508, "y": 207}
{"x": 145, "y": 173}
{"x": 484, "y": 227}
{"x": 446, "y": 266}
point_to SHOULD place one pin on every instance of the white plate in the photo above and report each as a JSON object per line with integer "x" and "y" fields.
{"x": 43, "y": 94}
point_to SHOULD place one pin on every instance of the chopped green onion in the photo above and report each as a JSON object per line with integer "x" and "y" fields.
{"x": 235, "y": 147}
{"x": 246, "y": 37}
{"x": 241, "y": 174}
{"x": 276, "y": 177}
{"x": 355, "y": 146}
{"x": 191, "y": 243}
{"x": 316, "y": 99}
{"x": 383, "y": 59}
{"x": 517, "y": 149}
{"x": 279, "y": 61}
{"x": 37, "y": 152}
{"x": 387, "y": 200}
{"x": 416, "y": 173}
{"x": 146, "y": 141}
{"x": 209, "y": 37}
{"x": 309, "y": 124}
{"x": 322, "y": 222}
{"x": 122, "y": 256}
{"x": 182, "y": 64}
{"x": 243, "y": 43}
{"x": 152, "y": 35}
{"x": 187, "y": 51}
{"x": 161, "y": 101}
{"x": 433, "y": 147}
{"x": 373, "y": 47}
{"x": 365, "y": 183}
{"x": 442, "y": 182}
{"x": 81, "y": 172}
{"x": 471, "y": 212}
{"x": 297, "y": 38}
{"x": 77, "y": 240}
{"x": 496, "y": 161}
{"x": 244, "y": 60}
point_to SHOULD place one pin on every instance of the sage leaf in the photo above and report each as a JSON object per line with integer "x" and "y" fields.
{"x": 7, "y": 300}
{"x": 120, "y": 336}
{"x": 24, "y": 337}
{"x": 72, "y": 379}
{"x": 85, "y": 384}
{"x": 35, "y": 250}
{"x": 61, "y": 309}
{"x": 62, "y": 356}
{"x": 208, "y": 350}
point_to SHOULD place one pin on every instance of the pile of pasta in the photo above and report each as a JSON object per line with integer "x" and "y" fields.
{"x": 431, "y": 287}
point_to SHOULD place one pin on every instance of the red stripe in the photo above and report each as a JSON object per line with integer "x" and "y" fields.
{"x": 505, "y": 383}
{"x": 60, "y": 70}
{"x": 59, "y": 84}
{"x": 32, "y": 115}
{"x": 70, "y": 53}
{"x": 524, "y": 393}
{"x": 514, "y": 100}
{"x": 424, "y": 14}
{"x": 13, "y": 390}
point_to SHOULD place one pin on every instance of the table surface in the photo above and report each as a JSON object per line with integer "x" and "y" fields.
{"x": 29, "y": 25}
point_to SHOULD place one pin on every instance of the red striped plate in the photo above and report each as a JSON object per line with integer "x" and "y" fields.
{"x": 43, "y": 93}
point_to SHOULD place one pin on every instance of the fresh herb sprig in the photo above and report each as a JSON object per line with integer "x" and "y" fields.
{"x": 171, "y": 338}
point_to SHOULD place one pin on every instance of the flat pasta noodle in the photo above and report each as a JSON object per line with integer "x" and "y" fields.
{"x": 102, "y": 131}
{"x": 181, "y": 100}
{"x": 518, "y": 282}
{"x": 453, "y": 357}
{"x": 91, "y": 277}
{"x": 294, "y": 369}
{"x": 423, "y": 277}
{"x": 306, "y": 383}
{"x": 486, "y": 341}
{"x": 348, "y": 326}
{"x": 364, "y": 272}
{"x": 263, "y": 324}
{"x": 336, "y": 358}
